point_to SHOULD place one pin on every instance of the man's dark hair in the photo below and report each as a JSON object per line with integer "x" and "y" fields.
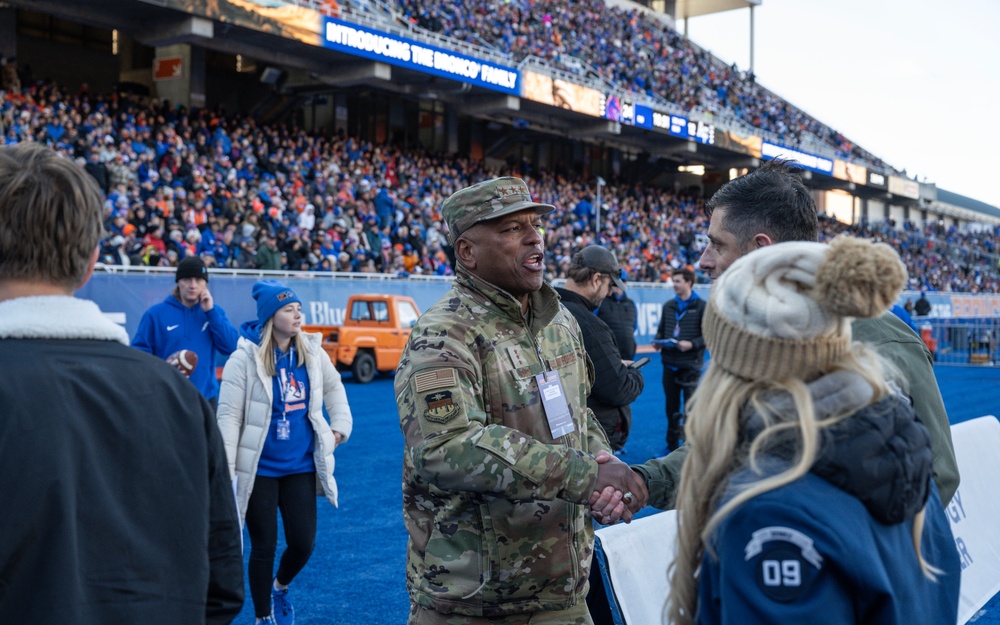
{"x": 770, "y": 200}
{"x": 685, "y": 272}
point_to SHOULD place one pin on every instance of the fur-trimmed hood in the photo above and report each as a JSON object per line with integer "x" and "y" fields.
{"x": 57, "y": 317}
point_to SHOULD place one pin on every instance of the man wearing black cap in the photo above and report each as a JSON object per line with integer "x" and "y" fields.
{"x": 189, "y": 319}
{"x": 592, "y": 273}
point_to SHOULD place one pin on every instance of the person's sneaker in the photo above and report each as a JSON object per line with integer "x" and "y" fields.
{"x": 267, "y": 620}
{"x": 281, "y": 607}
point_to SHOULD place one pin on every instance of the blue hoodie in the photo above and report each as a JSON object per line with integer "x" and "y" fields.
{"x": 293, "y": 454}
{"x": 171, "y": 326}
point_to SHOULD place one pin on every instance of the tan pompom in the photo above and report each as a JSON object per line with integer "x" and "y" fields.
{"x": 858, "y": 278}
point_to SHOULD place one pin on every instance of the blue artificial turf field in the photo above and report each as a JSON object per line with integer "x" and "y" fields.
{"x": 356, "y": 574}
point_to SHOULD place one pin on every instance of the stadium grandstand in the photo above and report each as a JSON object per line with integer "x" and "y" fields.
{"x": 340, "y": 127}
{"x": 318, "y": 138}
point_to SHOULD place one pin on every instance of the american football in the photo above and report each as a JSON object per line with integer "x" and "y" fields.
{"x": 184, "y": 361}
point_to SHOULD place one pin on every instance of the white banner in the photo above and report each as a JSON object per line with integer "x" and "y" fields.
{"x": 974, "y": 512}
{"x": 637, "y": 556}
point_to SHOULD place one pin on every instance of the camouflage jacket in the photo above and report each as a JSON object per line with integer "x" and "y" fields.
{"x": 491, "y": 501}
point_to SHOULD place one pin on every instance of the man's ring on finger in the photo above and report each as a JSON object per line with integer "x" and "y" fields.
{"x": 628, "y": 497}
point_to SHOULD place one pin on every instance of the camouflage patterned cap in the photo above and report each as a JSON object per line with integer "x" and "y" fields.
{"x": 486, "y": 201}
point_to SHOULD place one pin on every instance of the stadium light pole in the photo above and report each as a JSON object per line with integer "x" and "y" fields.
{"x": 597, "y": 206}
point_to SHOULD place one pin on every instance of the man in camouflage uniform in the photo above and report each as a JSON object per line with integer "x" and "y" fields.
{"x": 494, "y": 502}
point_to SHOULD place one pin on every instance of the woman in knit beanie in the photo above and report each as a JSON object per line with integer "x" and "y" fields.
{"x": 279, "y": 445}
{"x": 807, "y": 493}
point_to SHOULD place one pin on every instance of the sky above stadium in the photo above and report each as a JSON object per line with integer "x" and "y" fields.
{"x": 914, "y": 82}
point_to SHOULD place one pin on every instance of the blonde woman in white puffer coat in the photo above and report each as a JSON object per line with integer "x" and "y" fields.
{"x": 279, "y": 445}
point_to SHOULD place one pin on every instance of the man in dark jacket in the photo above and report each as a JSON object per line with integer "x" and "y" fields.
{"x": 923, "y": 305}
{"x": 682, "y": 348}
{"x": 591, "y": 273}
{"x": 118, "y": 507}
{"x": 98, "y": 170}
{"x": 619, "y": 312}
{"x": 268, "y": 254}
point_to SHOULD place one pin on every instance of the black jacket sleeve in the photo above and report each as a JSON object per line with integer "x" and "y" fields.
{"x": 614, "y": 383}
{"x": 225, "y": 549}
{"x": 661, "y": 330}
{"x": 699, "y": 341}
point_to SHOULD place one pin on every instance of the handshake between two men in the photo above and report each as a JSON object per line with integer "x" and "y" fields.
{"x": 621, "y": 492}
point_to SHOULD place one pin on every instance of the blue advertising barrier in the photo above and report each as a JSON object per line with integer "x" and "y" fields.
{"x": 124, "y": 296}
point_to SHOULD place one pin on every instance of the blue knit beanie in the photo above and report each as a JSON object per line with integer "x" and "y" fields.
{"x": 271, "y": 296}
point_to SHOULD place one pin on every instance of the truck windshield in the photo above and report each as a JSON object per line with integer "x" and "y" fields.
{"x": 407, "y": 314}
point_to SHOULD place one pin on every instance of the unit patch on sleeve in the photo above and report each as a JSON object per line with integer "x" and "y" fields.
{"x": 441, "y": 408}
{"x": 785, "y": 562}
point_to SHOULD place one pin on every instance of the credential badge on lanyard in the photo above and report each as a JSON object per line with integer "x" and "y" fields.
{"x": 284, "y": 425}
{"x": 677, "y": 323}
{"x": 554, "y": 404}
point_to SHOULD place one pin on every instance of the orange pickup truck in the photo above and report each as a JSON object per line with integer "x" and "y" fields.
{"x": 373, "y": 335}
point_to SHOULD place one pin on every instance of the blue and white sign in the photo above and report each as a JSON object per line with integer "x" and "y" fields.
{"x": 682, "y": 127}
{"x": 643, "y": 116}
{"x": 812, "y": 162}
{"x": 380, "y": 46}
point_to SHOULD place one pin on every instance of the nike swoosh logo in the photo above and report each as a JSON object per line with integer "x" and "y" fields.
{"x": 169, "y": 328}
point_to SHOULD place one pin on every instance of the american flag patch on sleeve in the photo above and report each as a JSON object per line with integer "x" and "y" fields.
{"x": 438, "y": 378}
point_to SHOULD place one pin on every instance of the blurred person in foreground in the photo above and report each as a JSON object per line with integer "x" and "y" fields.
{"x": 117, "y": 504}
{"x": 620, "y": 313}
{"x": 590, "y": 275}
{"x": 279, "y": 445}
{"x": 807, "y": 490}
{"x": 189, "y": 319}
{"x": 501, "y": 451}
{"x": 771, "y": 205}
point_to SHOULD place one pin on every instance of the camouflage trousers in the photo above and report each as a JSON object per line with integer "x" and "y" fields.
{"x": 577, "y": 615}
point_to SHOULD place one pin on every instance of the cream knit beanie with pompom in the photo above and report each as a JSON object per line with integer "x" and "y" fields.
{"x": 784, "y": 310}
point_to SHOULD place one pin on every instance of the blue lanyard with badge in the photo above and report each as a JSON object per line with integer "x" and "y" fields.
{"x": 554, "y": 404}
{"x": 677, "y": 323}
{"x": 284, "y": 429}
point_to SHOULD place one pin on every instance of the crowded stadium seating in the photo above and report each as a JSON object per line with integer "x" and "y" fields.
{"x": 183, "y": 182}
{"x": 633, "y": 50}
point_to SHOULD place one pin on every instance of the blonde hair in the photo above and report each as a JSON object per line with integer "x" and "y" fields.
{"x": 717, "y": 451}
{"x": 265, "y": 350}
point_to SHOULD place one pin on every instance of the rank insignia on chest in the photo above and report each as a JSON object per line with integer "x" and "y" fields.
{"x": 441, "y": 408}
{"x": 517, "y": 357}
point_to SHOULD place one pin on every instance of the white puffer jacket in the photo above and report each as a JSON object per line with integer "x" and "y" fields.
{"x": 245, "y": 402}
